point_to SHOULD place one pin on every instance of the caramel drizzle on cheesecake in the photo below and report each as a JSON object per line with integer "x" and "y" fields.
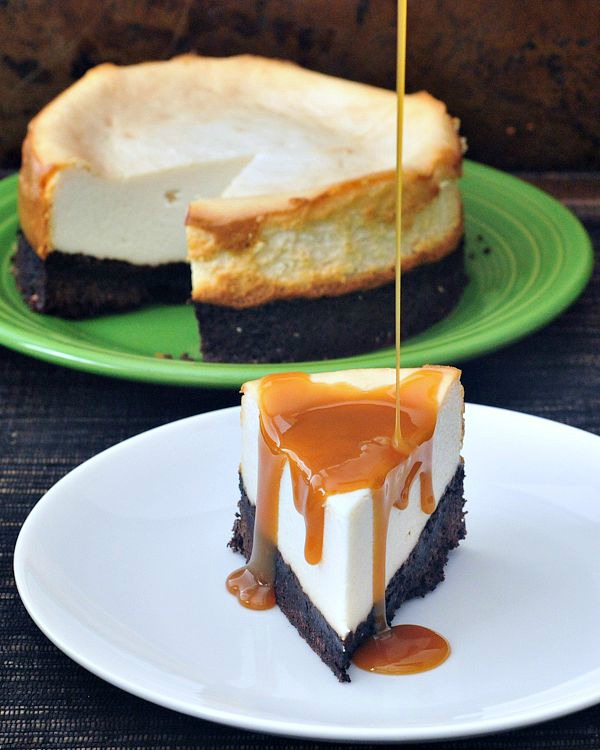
{"x": 337, "y": 438}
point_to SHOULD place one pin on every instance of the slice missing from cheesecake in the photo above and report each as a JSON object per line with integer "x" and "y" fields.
{"x": 287, "y": 179}
{"x": 338, "y": 521}
{"x": 304, "y": 236}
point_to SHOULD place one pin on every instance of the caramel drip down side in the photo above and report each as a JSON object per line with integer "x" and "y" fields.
{"x": 402, "y": 503}
{"x": 253, "y": 583}
{"x": 381, "y": 519}
{"x": 309, "y": 501}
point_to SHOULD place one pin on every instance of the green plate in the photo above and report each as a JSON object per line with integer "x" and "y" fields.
{"x": 527, "y": 258}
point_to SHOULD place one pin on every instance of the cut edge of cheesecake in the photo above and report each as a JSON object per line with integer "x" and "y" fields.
{"x": 331, "y": 243}
{"x": 333, "y": 616}
{"x": 94, "y": 129}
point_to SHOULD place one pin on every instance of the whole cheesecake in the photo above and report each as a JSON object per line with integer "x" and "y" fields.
{"x": 286, "y": 177}
{"x": 318, "y": 476}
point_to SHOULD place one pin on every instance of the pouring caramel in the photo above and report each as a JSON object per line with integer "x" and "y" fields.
{"x": 357, "y": 448}
{"x": 379, "y": 439}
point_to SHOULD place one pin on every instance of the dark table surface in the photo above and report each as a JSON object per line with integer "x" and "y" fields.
{"x": 52, "y": 419}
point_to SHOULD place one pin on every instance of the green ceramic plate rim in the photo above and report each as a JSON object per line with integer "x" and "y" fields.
{"x": 577, "y": 259}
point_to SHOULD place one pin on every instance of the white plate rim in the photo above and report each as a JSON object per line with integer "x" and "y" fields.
{"x": 578, "y": 700}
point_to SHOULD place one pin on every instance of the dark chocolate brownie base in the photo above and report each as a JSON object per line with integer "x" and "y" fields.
{"x": 329, "y": 327}
{"x": 78, "y": 286}
{"x": 419, "y": 575}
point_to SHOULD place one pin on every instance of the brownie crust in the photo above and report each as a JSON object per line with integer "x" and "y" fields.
{"x": 419, "y": 575}
{"x": 79, "y": 286}
{"x": 296, "y": 330}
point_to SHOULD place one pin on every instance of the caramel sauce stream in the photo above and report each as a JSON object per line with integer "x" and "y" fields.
{"x": 339, "y": 438}
{"x": 400, "y": 86}
{"x": 401, "y": 649}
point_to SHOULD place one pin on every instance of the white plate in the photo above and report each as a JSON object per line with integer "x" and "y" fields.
{"x": 122, "y": 565}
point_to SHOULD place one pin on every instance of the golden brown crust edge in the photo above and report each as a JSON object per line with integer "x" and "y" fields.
{"x": 235, "y": 223}
{"x": 34, "y": 199}
{"x": 39, "y": 171}
{"x": 249, "y": 289}
{"x": 228, "y": 252}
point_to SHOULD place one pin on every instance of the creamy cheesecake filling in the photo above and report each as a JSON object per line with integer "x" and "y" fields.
{"x": 139, "y": 219}
{"x": 111, "y": 164}
{"x": 340, "y": 582}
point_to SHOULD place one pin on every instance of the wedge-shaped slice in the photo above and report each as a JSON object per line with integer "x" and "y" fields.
{"x": 333, "y": 432}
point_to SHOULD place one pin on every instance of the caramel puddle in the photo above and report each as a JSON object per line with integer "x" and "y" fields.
{"x": 402, "y": 649}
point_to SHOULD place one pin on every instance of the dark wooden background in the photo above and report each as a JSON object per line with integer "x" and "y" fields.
{"x": 522, "y": 75}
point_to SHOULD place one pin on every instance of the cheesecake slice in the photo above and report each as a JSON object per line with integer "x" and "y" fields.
{"x": 286, "y": 177}
{"x": 344, "y": 512}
